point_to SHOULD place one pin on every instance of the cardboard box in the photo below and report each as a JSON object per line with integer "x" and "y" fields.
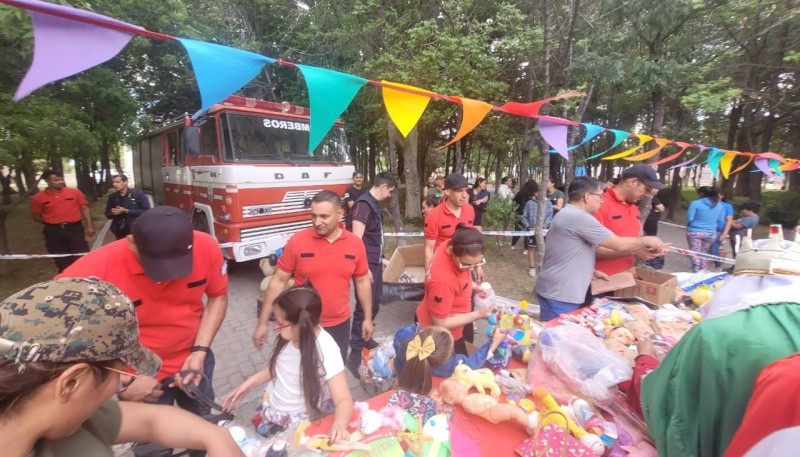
{"x": 404, "y": 276}
{"x": 651, "y": 285}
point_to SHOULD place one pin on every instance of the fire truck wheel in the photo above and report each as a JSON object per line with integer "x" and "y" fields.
{"x": 199, "y": 221}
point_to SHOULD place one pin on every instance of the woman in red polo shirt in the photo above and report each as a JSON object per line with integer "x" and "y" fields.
{"x": 448, "y": 289}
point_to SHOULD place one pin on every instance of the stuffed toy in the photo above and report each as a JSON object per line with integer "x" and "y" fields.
{"x": 481, "y": 379}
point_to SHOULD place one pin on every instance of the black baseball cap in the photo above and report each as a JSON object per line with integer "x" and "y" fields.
{"x": 455, "y": 181}
{"x": 164, "y": 238}
{"x": 645, "y": 174}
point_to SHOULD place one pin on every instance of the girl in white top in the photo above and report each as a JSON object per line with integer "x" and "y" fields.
{"x": 305, "y": 374}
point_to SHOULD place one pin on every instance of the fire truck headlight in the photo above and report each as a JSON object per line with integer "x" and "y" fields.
{"x": 253, "y": 250}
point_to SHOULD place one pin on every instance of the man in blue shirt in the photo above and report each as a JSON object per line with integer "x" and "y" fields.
{"x": 727, "y": 212}
{"x": 748, "y": 219}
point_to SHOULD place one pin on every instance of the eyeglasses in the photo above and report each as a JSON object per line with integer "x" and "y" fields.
{"x": 462, "y": 266}
{"x": 123, "y": 386}
{"x": 278, "y": 327}
{"x": 601, "y": 195}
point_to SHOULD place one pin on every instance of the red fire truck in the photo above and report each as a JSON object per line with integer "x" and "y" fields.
{"x": 242, "y": 172}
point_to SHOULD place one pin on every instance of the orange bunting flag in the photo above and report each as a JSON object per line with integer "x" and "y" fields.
{"x": 726, "y": 163}
{"x": 472, "y": 114}
{"x": 661, "y": 142}
{"x": 405, "y": 107}
{"x": 744, "y": 165}
{"x": 642, "y": 140}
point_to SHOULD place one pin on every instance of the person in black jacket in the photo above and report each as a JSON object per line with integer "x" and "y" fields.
{"x": 124, "y": 206}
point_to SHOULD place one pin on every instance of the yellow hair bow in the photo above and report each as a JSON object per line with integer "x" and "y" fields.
{"x": 416, "y": 348}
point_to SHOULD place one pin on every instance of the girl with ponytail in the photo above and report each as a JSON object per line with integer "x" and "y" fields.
{"x": 305, "y": 376}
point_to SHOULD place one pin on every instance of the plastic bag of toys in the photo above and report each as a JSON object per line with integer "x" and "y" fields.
{"x": 377, "y": 364}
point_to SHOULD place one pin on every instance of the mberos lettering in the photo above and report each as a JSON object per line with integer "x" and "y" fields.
{"x": 285, "y": 125}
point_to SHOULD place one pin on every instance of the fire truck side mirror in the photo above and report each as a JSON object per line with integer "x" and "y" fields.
{"x": 191, "y": 138}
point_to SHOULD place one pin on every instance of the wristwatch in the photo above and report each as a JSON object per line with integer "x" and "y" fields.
{"x": 205, "y": 349}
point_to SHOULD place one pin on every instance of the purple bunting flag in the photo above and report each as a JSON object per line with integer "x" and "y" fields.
{"x": 555, "y": 135}
{"x": 64, "y": 47}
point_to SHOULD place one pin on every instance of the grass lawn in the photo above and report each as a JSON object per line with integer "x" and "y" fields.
{"x": 25, "y": 237}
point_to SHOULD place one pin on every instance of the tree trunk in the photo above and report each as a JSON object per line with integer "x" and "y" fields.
{"x": 5, "y": 183}
{"x": 373, "y": 153}
{"x": 674, "y": 204}
{"x": 458, "y": 162}
{"x": 392, "y": 132}
{"x": 19, "y": 180}
{"x": 413, "y": 189}
{"x": 544, "y": 148}
{"x": 5, "y": 211}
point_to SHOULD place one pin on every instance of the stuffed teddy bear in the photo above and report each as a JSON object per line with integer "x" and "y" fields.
{"x": 267, "y": 266}
{"x": 480, "y": 379}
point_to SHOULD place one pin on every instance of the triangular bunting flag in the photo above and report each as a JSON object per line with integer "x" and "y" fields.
{"x": 772, "y": 155}
{"x": 532, "y": 109}
{"x": 65, "y": 47}
{"x": 763, "y": 165}
{"x": 661, "y": 142}
{"x": 725, "y": 164}
{"x": 750, "y": 158}
{"x": 592, "y": 131}
{"x": 329, "y": 94}
{"x": 642, "y": 140}
{"x": 221, "y": 70}
{"x": 555, "y": 135}
{"x": 472, "y": 114}
{"x": 714, "y": 157}
{"x": 404, "y": 107}
{"x": 619, "y": 137}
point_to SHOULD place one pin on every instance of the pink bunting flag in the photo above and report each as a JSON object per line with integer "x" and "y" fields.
{"x": 555, "y": 134}
{"x": 64, "y": 46}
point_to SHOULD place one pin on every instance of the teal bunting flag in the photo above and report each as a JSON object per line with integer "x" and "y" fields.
{"x": 221, "y": 70}
{"x": 329, "y": 94}
{"x": 619, "y": 137}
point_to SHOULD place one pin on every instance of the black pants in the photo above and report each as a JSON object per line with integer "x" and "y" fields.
{"x": 65, "y": 239}
{"x": 518, "y": 226}
{"x": 340, "y": 334}
{"x": 174, "y": 395}
{"x": 356, "y": 341}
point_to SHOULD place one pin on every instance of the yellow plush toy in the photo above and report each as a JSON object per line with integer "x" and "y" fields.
{"x": 590, "y": 440}
{"x": 481, "y": 379}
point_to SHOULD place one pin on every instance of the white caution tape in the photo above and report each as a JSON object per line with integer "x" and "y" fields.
{"x": 496, "y": 233}
{"x": 702, "y": 255}
{"x": 36, "y": 256}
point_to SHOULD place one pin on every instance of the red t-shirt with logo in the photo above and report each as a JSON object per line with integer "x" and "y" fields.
{"x": 330, "y": 267}
{"x": 448, "y": 290}
{"x": 622, "y": 218}
{"x": 60, "y": 207}
{"x": 168, "y": 312}
{"x": 440, "y": 223}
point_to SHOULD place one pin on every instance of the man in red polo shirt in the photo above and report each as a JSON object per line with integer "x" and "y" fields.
{"x": 441, "y": 222}
{"x": 330, "y": 258}
{"x": 165, "y": 268}
{"x": 620, "y": 214}
{"x": 59, "y": 208}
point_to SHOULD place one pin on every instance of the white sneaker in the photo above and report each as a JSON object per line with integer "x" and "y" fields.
{"x": 524, "y": 252}
{"x": 532, "y": 272}
{"x": 513, "y": 248}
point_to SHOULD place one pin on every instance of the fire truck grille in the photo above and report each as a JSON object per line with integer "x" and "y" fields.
{"x": 293, "y": 201}
{"x": 278, "y": 229}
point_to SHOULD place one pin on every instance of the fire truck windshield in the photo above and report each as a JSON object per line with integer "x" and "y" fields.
{"x": 263, "y": 139}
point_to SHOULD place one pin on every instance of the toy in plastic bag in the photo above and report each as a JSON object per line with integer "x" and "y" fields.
{"x": 377, "y": 364}
{"x": 580, "y": 360}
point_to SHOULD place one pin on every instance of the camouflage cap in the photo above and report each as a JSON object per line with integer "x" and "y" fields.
{"x": 73, "y": 320}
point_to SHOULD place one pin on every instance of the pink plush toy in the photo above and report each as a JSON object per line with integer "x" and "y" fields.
{"x": 368, "y": 421}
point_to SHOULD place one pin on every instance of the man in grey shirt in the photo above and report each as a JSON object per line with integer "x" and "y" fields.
{"x": 568, "y": 265}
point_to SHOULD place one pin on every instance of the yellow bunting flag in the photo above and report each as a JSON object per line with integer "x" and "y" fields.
{"x": 472, "y": 114}
{"x": 726, "y": 163}
{"x": 661, "y": 142}
{"x": 405, "y": 107}
{"x": 642, "y": 140}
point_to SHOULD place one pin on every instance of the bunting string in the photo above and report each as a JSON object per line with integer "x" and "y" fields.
{"x": 68, "y": 41}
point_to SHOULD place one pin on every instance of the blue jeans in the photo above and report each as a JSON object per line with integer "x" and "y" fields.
{"x": 356, "y": 341}
{"x": 715, "y": 247}
{"x": 551, "y": 309}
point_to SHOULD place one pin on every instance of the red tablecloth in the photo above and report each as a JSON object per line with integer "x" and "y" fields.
{"x": 493, "y": 440}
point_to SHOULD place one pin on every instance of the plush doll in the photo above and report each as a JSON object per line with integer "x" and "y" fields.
{"x": 319, "y": 443}
{"x": 368, "y": 421}
{"x": 481, "y": 379}
{"x": 455, "y": 392}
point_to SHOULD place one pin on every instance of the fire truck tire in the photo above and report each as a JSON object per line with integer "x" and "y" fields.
{"x": 199, "y": 221}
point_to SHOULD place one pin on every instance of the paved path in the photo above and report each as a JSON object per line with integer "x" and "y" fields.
{"x": 237, "y": 358}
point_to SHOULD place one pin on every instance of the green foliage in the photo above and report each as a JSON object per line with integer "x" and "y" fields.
{"x": 500, "y": 214}
{"x": 780, "y": 208}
